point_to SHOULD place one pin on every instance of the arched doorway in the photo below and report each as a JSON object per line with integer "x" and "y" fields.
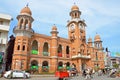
{"x": 45, "y": 67}
{"x": 68, "y": 65}
{"x": 60, "y": 65}
{"x": 34, "y": 66}
{"x": 83, "y": 66}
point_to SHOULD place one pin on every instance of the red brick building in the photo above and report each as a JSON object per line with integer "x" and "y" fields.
{"x": 49, "y": 53}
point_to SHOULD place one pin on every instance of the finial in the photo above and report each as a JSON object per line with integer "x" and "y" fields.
{"x": 74, "y": 3}
{"x": 27, "y": 5}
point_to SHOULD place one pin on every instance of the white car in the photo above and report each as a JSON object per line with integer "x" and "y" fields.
{"x": 16, "y": 74}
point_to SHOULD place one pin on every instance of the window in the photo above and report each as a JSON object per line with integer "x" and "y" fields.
{"x": 1, "y": 22}
{"x": 96, "y": 56}
{"x": 23, "y": 47}
{"x": 0, "y": 34}
{"x": 18, "y": 48}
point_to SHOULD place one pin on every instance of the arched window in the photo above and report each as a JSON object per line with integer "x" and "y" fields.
{"x": 35, "y": 47}
{"x": 68, "y": 65}
{"x": 21, "y": 22}
{"x": 26, "y": 24}
{"x": 34, "y": 65}
{"x": 82, "y": 48}
{"x": 60, "y": 51}
{"x": 23, "y": 47}
{"x": 96, "y": 56}
{"x": 60, "y": 65}
{"x": 45, "y": 66}
{"x": 67, "y": 52}
{"x": 18, "y": 48}
{"x": 45, "y": 49}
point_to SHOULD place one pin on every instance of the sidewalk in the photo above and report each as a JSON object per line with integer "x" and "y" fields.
{"x": 43, "y": 75}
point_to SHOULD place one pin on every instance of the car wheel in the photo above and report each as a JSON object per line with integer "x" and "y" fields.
{"x": 9, "y": 76}
{"x": 25, "y": 77}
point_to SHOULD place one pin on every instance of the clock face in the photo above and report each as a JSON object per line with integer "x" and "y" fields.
{"x": 72, "y": 27}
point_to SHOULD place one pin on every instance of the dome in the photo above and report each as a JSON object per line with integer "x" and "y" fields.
{"x": 26, "y": 10}
{"x": 97, "y": 37}
{"x": 54, "y": 28}
{"x": 90, "y": 39}
{"x": 74, "y": 7}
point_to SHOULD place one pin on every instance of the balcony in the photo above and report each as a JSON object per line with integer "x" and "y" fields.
{"x": 67, "y": 56}
{"x": 4, "y": 27}
{"x": 45, "y": 54}
{"x": 3, "y": 41}
{"x": 59, "y": 54}
{"x": 34, "y": 52}
{"x": 81, "y": 56}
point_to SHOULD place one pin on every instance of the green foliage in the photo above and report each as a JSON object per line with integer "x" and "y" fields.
{"x": 116, "y": 65}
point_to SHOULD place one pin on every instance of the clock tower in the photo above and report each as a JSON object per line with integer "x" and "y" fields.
{"x": 76, "y": 31}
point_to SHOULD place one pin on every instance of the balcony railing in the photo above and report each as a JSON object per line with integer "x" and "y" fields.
{"x": 34, "y": 52}
{"x": 59, "y": 54}
{"x": 67, "y": 56}
{"x": 45, "y": 54}
{"x": 82, "y": 56}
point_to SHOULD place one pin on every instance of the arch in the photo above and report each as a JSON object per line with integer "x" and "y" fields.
{"x": 60, "y": 65}
{"x": 45, "y": 49}
{"x": 45, "y": 66}
{"x": 18, "y": 47}
{"x": 75, "y": 14}
{"x": 23, "y": 47}
{"x": 34, "y": 65}
{"x": 83, "y": 66}
{"x": 34, "y": 47}
{"x": 96, "y": 56}
{"x": 21, "y": 22}
{"x": 67, "y": 52}
{"x": 68, "y": 65}
{"x": 60, "y": 50}
{"x": 26, "y": 24}
{"x": 82, "y": 48}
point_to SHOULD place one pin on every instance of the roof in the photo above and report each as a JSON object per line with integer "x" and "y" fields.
{"x": 5, "y": 16}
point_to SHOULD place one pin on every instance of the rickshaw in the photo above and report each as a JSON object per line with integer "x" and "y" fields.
{"x": 63, "y": 75}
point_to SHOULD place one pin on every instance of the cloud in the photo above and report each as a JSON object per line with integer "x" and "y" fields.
{"x": 100, "y": 15}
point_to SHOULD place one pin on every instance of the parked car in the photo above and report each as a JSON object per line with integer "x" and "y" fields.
{"x": 16, "y": 74}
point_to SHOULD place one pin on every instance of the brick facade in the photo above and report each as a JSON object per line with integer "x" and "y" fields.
{"x": 49, "y": 53}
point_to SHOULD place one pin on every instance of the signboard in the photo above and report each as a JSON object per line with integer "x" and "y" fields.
{"x": 1, "y": 57}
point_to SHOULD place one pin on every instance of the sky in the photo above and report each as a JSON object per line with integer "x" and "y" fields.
{"x": 101, "y": 16}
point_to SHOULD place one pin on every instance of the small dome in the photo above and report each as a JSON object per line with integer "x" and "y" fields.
{"x": 90, "y": 39}
{"x": 74, "y": 7}
{"x": 54, "y": 28}
{"x": 97, "y": 38}
{"x": 26, "y": 10}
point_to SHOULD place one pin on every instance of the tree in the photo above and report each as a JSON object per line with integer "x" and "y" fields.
{"x": 9, "y": 52}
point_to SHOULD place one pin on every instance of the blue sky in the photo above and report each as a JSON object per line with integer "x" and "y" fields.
{"x": 101, "y": 16}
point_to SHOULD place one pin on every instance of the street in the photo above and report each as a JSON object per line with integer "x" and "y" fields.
{"x": 52, "y": 77}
